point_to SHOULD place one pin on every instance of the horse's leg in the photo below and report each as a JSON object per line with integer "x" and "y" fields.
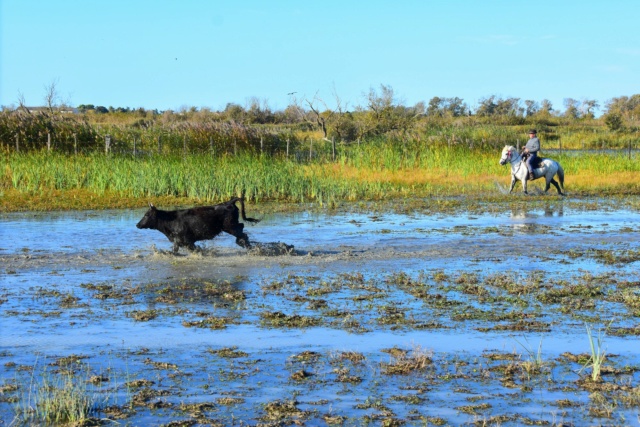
{"x": 524, "y": 184}
{"x": 513, "y": 183}
{"x": 555, "y": 184}
{"x": 547, "y": 183}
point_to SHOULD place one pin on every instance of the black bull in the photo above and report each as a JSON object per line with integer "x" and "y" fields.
{"x": 184, "y": 227}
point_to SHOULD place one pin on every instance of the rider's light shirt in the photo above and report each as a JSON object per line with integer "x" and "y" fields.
{"x": 533, "y": 145}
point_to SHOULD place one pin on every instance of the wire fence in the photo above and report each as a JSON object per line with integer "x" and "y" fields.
{"x": 302, "y": 150}
{"x": 67, "y": 135}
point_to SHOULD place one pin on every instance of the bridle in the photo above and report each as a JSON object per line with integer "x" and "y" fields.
{"x": 512, "y": 160}
{"x": 509, "y": 156}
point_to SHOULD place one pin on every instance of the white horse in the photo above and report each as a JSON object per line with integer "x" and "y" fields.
{"x": 546, "y": 168}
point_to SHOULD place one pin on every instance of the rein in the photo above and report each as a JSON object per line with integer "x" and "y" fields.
{"x": 513, "y": 159}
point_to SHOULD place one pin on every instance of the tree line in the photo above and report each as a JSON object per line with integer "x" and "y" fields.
{"x": 257, "y": 126}
{"x": 382, "y": 113}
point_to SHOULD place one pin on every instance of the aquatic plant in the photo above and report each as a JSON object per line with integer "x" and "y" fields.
{"x": 535, "y": 362}
{"x": 405, "y": 362}
{"x": 598, "y": 354}
{"x": 57, "y": 398}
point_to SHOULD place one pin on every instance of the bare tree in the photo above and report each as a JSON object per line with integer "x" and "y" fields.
{"x": 318, "y": 118}
{"x": 51, "y": 96}
{"x": 343, "y": 125}
{"x": 21, "y": 103}
{"x": 380, "y": 103}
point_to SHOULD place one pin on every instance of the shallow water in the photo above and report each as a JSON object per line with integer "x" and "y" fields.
{"x": 49, "y": 257}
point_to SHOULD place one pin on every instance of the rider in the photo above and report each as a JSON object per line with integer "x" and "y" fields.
{"x": 531, "y": 150}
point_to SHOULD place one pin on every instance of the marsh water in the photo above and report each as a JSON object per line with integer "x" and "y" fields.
{"x": 226, "y": 336}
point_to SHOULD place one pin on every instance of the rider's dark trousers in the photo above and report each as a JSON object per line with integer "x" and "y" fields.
{"x": 530, "y": 160}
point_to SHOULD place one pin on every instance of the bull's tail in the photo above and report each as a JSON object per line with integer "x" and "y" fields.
{"x": 561, "y": 176}
{"x": 244, "y": 216}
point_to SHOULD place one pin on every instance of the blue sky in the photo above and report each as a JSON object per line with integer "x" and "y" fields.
{"x": 176, "y": 54}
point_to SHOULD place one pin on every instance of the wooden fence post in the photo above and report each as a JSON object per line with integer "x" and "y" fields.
{"x": 333, "y": 144}
{"x": 75, "y": 144}
{"x": 184, "y": 146}
{"x": 17, "y": 143}
{"x": 159, "y": 146}
{"x": 134, "y": 147}
{"x": 48, "y": 141}
{"x": 287, "y": 148}
{"x": 107, "y": 144}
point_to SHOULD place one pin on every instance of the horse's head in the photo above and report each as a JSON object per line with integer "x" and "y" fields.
{"x": 507, "y": 154}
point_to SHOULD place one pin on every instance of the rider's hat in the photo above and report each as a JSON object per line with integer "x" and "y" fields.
{"x": 532, "y": 132}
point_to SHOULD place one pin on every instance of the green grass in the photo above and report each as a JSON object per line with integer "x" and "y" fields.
{"x": 56, "y": 399}
{"x": 598, "y": 354}
{"x": 373, "y": 171}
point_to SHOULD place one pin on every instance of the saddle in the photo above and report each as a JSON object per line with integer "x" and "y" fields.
{"x": 537, "y": 162}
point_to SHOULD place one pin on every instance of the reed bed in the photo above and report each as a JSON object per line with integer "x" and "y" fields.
{"x": 369, "y": 172}
{"x": 196, "y": 176}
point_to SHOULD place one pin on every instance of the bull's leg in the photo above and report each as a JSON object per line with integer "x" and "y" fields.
{"x": 243, "y": 240}
{"x": 241, "y": 237}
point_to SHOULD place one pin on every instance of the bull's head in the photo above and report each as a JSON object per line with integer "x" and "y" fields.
{"x": 150, "y": 218}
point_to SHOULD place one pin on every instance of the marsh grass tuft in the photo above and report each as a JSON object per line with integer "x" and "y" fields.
{"x": 301, "y": 375}
{"x": 57, "y": 399}
{"x": 278, "y": 319}
{"x": 405, "y": 362}
{"x": 211, "y": 322}
{"x": 229, "y": 401}
{"x": 143, "y": 315}
{"x": 283, "y": 411}
{"x": 598, "y": 354}
{"x": 474, "y": 409}
{"x": 228, "y": 352}
{"x": 535, "y": 362}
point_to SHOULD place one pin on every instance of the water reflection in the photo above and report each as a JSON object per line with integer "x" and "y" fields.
{"x": 554, "y": 210}
{"x": 533, "y": 220}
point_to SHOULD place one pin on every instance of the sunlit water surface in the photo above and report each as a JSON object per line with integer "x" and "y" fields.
{"x": 63, "y": 251}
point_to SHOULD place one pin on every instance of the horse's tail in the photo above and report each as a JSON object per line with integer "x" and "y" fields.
{"x": 561, "y": 176}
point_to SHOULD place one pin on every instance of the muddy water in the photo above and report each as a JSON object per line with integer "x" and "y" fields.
{"x": 55, "y": 267}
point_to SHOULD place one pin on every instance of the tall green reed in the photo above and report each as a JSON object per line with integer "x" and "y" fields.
{"x": 262, "y": 177}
